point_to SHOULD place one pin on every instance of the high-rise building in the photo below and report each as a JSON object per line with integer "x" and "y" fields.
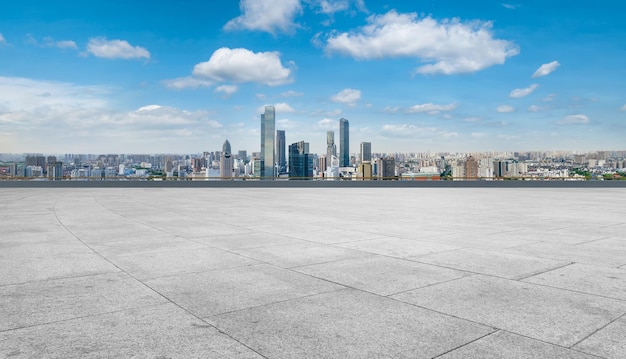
{"x": 268, "y": 125}
{"x": 331, "y": 147}
{"x": 344, "y": 143}
{"x": 388, "y": 168}
{"x": 226, "y": 162}
{"x": 281, "y": 147}
{"x": 243, "y": 156}
{"x": 471, "y": 168}
{"x": 300, "y": 161}
{"x": 366, "y": 152}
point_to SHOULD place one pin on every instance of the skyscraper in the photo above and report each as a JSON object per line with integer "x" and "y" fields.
{"x": 344, "y": 143}
{"x": 226, "y": 162}
{"x": 366, "y": 152}
{"x": 268, "y": 125}
{"x": 331, "y": 148}
{"x": 281, "y": 147}
{"x": 300, "y": 161}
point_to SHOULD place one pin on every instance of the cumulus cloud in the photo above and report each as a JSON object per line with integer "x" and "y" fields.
{"x": 574, "y": 120}
{"x": 327, "y": 124}
{"x": 511, "y": 6}
{"x": 430, "y": 108}
{"x": 115, "y": 49}
{"x": 242, "y": 65}
{"x": 546, "y": 69}
{"x": 3, "y": 41}
{"x": 549, "y": 98}
{"x": 66, "y": 44}
{"x": 227, "y": 90}
{"x": 291, "y": 93}
{"x": 347, "y": 96}
{"x": 505, "y": 109}
{"x": 271, "y": 16}
{"x": 330, "y": 7}
{"x": 180, "y": 83}
{"x": 406, "y": 130}
{"x": 280, "y": 107}
{"x": 447, "y": 47}
{"x": 519, "y": 93}
{"x": 535, "y": 108}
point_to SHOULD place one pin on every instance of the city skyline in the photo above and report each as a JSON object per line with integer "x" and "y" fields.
{"x": 442, "y": 76}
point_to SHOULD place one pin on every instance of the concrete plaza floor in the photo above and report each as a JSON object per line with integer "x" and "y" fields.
{"x": 312, "y": 273}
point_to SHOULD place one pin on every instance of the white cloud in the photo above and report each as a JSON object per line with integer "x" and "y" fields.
{"x": 405, "y": 130}
{"x": 186, "y": 82}
{"x": 431, "y": 108}
{"x": 115, "y": 49}
{"x": 546, "y": 69}
{"x": 329, "y": 7}
{"x": 66, "y": 44}
{"x": 535, "y": 108}
{"x": 505, "y": 109}
{"x": 280, "y": 107}
{"x": 271, "y": 16}
{"x": 347, "y": 96}
{"x": 448, "y": 46}
{"x": 479, "y": 134}
{"x": 227, "y": 90}
{"x": 286, "y": 124}
{"x": 511, "y": 6}
{"x": 519, "y": 93}
{"x": 574, "y": 120}
{"x": 549, "y": 98}
{"x": 623, "y": 108}
{"x": 327, "y": 124}
{"x": 291, "y": 93}
{"x": 242, "y": 65}
{"x": 3, "y": 41}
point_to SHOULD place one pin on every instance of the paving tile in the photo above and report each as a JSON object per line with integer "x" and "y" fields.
{"x": 333, "y": 235}
{"x": 15, "y": 270}
{"x": 505, "y": 345}
{"x": 347, "y": 324}
{"x": 548, "y": 314}
{"x": 163, "y": 331}
{"x": 609, "y": 342}
{"x": 145, "y": 244}
{"x": 159, "y": 264}
{"x": 23, "y": 249}
{"x": 584, "y": 253}
{"x": 54, "y": 300}
{"x": 608, "y": 282}
{"x": 295, "y": 255}
{"x": 247, "y": 240}
{"x": 381, "y": 275}
{"x": 221, "y": 291}
{"x": 398, "y": 247}
{"x": 494, "y": 263}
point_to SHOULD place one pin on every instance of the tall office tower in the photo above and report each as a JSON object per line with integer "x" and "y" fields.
{"x": 366, "y": 152}
{"x": 331, "y": 147}
{"x": 268, "y": 124}
{"x": 388, "y": 168}
{"x": 226, "y": 162}
{"x": 300, "y": 161}
{"x": 281, "y": 147}
{"x": 471, "y": 168}
{"x": 344, "y": 143}
{"x": 243, "y": 156}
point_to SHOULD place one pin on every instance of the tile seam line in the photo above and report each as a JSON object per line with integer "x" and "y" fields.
{"x": 58, "y": 278}
{"x": 146, "y": 285}
{"x": 468, "y": 343}
{"x": 543, "y": 272}
{"x": 599, "y": 329}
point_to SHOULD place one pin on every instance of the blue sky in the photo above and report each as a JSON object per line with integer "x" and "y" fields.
{"x": 414, "y": 76}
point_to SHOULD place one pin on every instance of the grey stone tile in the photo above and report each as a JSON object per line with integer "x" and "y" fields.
{"x": 295, "y": 255}
{"x": 583, "y": 253}
{"x": 54, "y": 300}
{"x": 146, "y": 244}
{"x": 505, "y": 345}
{"x": 15, "y": 270}
{"x": 159, "y": 264}
{"x": 398, "y": 247}
{"x": 247, "y": 240}
{"x": 381, "y": 275}
{"x": 163, "y": 331}
{"x": 333, "y": 235}
{"x": 495, "y": 263}
{"x": 609, "y": 342}
{"x": 618, "y": 243}
{"x": 548, "y": 314}
{"x": 492, "y": 241}
{"x": 347, "y": 324}
{"x": 32, "y": 248}
{"x": 226, "y": 290}
{"x": 608, "y": 282}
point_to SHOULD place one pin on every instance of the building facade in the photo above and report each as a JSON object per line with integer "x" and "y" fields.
{"x": 366, "y": 152}
{"x": 300, "y": 161}
{"x": 226, "y": 162}
{"x": 344, "y": 143}
{"x": 268, "y": 127}
{"x": 281, "y": 155}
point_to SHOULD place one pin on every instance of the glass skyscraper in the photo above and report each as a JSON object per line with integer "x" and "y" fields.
{"x": 268, "y": 127}
{"x": 366, "y": 152}
{"x": 344, "y": 143}
{"x": 281, "y": 148}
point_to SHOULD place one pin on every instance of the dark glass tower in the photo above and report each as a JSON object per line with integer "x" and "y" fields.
{"x": 344, "y": 143}
{"x": 281, "y": 147}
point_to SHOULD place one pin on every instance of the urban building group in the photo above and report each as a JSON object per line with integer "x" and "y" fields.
{"x": 279, "y": 161}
